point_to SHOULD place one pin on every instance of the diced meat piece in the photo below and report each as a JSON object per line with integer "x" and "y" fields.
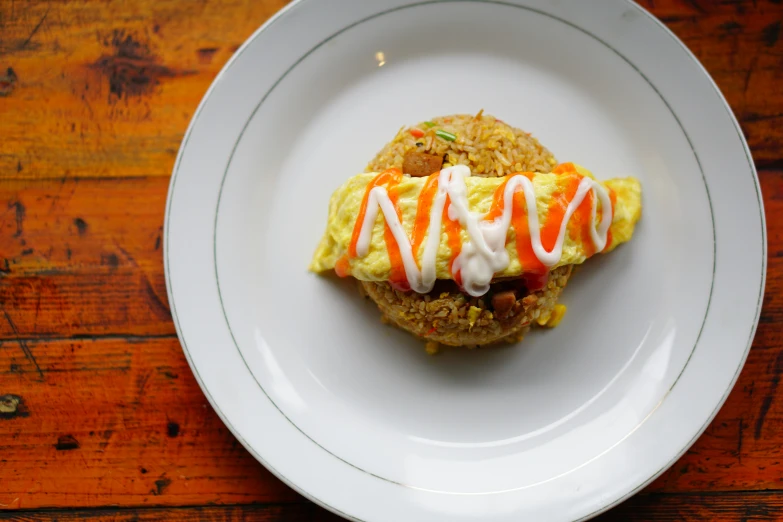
{"x": 502, "y": 302}
{"x": 515, "y": 283}
{"x": 420, "y": 164}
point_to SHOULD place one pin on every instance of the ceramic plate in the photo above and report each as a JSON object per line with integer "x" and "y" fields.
{"x": 354, "y": 414}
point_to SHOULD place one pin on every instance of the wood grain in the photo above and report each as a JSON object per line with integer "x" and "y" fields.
{"x": 99, "y": 411}
{"x": 117, "y": 421}
{"x": 251, "y": 513}
{"x": 727, "y": 507}
{"x": 739, "y": 507}
{"x": 110, "y": 95}
{"x": 82, "y": 257}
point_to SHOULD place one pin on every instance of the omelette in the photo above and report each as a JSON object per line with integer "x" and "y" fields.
{"x": 461, "y": 258}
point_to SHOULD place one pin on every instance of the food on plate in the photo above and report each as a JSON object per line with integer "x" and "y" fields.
{"x": 465, "y": 230}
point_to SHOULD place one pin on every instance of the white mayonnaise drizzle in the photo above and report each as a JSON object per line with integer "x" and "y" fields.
{"x": 484, "y": 253}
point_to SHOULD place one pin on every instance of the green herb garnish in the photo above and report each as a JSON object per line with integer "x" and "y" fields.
{"x": 445, "y": 135}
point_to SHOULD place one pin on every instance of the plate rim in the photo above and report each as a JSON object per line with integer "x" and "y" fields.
{"x": 297, "y": 3}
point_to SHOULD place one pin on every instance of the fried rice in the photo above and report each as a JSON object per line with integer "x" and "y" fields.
{"x": 489, "y": 146}
{"x": 446, "y": 315}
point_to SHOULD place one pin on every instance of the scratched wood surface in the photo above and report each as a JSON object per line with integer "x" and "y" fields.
{"x": 100, "y": 417}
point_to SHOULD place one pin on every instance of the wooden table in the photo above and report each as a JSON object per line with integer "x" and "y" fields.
{"x": 100, "y": 417}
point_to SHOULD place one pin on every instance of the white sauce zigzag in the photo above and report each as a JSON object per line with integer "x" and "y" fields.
{"x": 484, "y": 253}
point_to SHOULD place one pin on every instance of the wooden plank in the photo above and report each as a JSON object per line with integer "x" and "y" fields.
{"x": 73, "y": 224}
{"x": 108, "y": 87}
{"x": 739, "y": 507}
{"x": 113, "y": 95}
{"x": 668, "y": 9}
{"x": 82, "y": 257}
{"x": 86, "y": 303}
{"x": 116, "y": 422}
{"x": 300, "y": 512}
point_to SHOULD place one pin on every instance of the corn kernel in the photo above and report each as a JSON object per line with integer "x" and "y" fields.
{"x": 557, "y": 315}
{"x": 431, "y": 347}
{"x": 543, "y": 317}
{"x": 473, "y": 315}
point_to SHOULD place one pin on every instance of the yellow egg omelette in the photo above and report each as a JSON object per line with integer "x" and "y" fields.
{"x": 386, "y": 226}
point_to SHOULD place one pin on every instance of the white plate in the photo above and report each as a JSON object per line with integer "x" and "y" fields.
{"x": 353, "y": 414}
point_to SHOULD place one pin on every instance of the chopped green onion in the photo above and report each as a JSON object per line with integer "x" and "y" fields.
{"x": 445, "y": 135}
{"x": 429, "y": 124}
